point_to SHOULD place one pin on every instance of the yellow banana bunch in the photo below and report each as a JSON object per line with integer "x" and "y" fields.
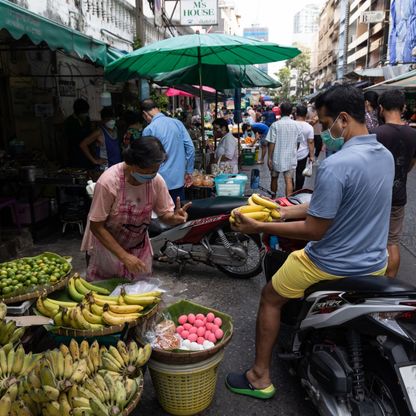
{"x": 267, "y": 203}
{"x": 92, "y": 310}
{"x": 256, "y": 212}
{"x": 259, "y": 209}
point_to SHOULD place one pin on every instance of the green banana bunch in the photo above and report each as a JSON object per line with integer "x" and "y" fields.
{"x": 124, "y": 360}
{"x": 3, "y": 311}
{"x": 9, "y": 332}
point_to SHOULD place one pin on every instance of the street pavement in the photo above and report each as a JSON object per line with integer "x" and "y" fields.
{"x": 238, "y": 298}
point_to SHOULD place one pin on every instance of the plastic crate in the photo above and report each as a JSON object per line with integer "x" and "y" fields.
{"x": 230, "y": 184}
{"x": 249, "y": 157}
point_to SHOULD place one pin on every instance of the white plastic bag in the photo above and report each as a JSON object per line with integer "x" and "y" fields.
{"x": 142, "y": 286}
{"x": 309, "y": 168}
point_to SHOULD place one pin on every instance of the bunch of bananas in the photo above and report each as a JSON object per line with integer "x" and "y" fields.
{"x": 92, "y": 310}
{"x": 126, "y": 360}
{"x": 9, "y": 333}
{"x": 14, "y": 364}
{"x": 102, "y": 395}
{"x": 71, "y": 380}
{"x": 259, "y": 209}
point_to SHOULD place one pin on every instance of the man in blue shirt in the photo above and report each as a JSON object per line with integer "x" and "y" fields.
{"x": 178, "y": 168}
{"x": 346, "y": 237}
{"x": 269, "y": 116}
{"x": 261, "y": 130}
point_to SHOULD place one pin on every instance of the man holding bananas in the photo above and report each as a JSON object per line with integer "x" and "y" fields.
{"x": 345, "y": 240}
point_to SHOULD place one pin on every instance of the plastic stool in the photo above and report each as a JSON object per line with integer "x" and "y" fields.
{"x": 80, "y": 224}
{"x": 11, "y": 203}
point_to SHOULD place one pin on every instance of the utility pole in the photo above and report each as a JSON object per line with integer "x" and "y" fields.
{"x": 140, "y": 22}
{"x": 140, "y": 36}
{"x": 346, "y": 38}
{"x": 367, "y": 56}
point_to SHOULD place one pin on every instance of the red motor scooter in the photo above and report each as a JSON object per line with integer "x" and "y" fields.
{"x": 207, "y": 238}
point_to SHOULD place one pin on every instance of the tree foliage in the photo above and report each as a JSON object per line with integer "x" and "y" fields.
{"x": 300, "y": 67}
{"x": 301, "y": 64}
{"x": 283, "y": 75}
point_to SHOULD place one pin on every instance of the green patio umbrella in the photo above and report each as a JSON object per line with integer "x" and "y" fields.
{"x": 197, "y": 49}
{"x": 183, "y": 51}
{"x": 220, "y": 77}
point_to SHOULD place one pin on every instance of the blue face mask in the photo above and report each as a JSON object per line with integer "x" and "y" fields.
{"x": 332, "y": 143}
{"x": 143, "y": 178}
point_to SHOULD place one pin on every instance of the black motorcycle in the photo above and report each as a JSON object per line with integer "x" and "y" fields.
{"x": 352, "y": 341}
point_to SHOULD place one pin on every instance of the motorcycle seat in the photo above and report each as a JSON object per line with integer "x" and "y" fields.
{"x": 157, "y": 227}
{"x": 208, "y": 207}
{"x": 364, "y": 286}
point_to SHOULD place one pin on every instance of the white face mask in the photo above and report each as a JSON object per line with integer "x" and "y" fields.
{"x": 110, "y": 124}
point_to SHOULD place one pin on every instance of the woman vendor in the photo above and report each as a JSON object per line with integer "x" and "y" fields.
{"x": 227, "y": 149}
{"x": 116, "y": 237}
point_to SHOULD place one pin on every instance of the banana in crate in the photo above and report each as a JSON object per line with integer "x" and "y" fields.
{"x": 93, "y": 308}
{"x": 259, "y": 209}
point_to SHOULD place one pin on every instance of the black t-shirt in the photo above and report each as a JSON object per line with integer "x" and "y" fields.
{"x": 75, "y": 133}
{"x": 401, "y": 141}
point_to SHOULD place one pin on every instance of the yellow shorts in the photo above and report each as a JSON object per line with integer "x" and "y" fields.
{"x": 299, "y": 272}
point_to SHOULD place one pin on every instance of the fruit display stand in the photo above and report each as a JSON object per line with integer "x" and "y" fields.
{"x": 33, "y": 291}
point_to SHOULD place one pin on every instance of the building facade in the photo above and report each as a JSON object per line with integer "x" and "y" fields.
{"x": 111, "y": 21}
{"x": 306, "y": 24}
{"x": 347, "y": 41}
{"x": 228, "y": 18}
{"x": 259, "y": 33}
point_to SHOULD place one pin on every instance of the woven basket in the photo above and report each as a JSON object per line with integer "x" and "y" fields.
{"x": 36, "y": 291}
{"x": 185, "y": 307}
{"x": 185, "y": 389}
{"x": 136, "y": 399}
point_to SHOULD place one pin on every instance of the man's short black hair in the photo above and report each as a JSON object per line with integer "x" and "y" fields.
{"x": 81, "y": 106}
{"x": 392, "y": 100}
{"x": 301, "y": 110}
{"x": 106, "y": 112}
{"x": 371, "y": 97}
{"x": 132, "y": 117}
{"x": 286, "y": 108}
{"x": 148, "y": 104}
{"x": 220, "y": 122}
{"x": 340, "y": 98}
{"x": 245, "y": 127}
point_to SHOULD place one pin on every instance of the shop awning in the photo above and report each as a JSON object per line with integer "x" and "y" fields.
{"x": 405, "y": 81}
{"x": 19, "y": 22}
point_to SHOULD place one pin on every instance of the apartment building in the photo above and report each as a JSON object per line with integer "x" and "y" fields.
{"x": 348, "y": 40}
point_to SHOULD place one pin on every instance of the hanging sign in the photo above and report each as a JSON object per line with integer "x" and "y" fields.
{"x": 375, "y": 16}
{"x": 199, "y": 13}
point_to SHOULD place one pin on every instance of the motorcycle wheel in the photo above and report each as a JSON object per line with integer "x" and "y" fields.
{"x": 253, "y": 264}
{"x": 384, "y": 389}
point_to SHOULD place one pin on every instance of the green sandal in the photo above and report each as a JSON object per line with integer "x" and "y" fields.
{"x": 239, "y": 384}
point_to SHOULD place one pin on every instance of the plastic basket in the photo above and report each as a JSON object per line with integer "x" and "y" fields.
{"x": 249, "y": 157}
{"x": 185, "y": 389}
{"x": 230, "y": 185}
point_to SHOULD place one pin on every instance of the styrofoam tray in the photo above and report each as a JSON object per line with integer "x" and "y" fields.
{"x": 20, "y": 309}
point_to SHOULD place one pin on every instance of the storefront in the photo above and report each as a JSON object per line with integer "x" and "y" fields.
{"x": 44, "y": 67}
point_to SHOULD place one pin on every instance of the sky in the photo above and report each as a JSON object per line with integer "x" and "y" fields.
{"x": 277, "y": 15}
